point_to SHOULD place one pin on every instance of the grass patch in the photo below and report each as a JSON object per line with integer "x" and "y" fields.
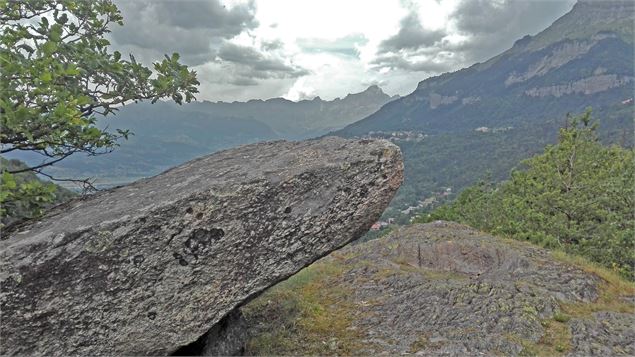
{"x": 560, "y": 317}
{"x": 419, "y": 344}
{"x": 305, "y": 315}
{"x": 556, "y": 340}
{"x": 612, "y": 289}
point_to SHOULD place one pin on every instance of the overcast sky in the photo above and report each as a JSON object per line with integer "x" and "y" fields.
{"x": 300, "y": 49}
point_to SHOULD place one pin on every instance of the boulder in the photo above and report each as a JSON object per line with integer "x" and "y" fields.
{"x": 147, "y": 268}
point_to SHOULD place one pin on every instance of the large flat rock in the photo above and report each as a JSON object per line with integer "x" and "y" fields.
{"x": 444, "y": 289}
{"x": 147, "y": 268}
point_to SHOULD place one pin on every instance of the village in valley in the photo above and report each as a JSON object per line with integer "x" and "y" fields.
{"x": 396, "y": 136}
{"x": 408, "y": 214}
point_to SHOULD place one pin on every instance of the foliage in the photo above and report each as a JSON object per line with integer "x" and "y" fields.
{"x": 28, "y": 197}
{"x": 577, "y": 196}
{"x": 454, "y": 155}
{"x": 33, "y": 194}
{"x": 614, "y": 290}
{"x": 57, "y": 74}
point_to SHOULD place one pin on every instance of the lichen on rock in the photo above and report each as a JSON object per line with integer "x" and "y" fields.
{"x": 443, "y": 289}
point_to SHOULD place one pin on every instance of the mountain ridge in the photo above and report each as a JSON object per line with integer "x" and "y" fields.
{"x": 304, "y": 118}
{"x": 373, "y": 88}
{"x": 166, "y": 134}
{"x": 509, "y": 107}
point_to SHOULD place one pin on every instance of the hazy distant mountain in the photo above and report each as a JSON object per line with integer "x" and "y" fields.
{"x": 303, "y": 119}
{"x": 485, "y": 118}
{"x": 166, "y": 134}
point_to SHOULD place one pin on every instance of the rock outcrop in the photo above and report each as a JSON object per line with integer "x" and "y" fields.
{"x": 585, "y": 86}
{"x": 445, "y": 289}
{"x": 150, "y": 267}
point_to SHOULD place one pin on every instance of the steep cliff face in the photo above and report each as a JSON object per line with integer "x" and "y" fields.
{"x": 444, "y": 289}
{"x": 584, "y": 59}
{"x": 587, "y": 52}
{"x": 152, "y": 266}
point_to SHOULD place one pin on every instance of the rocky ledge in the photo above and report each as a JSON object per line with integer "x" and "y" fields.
{"x": 150, "y": 267}
{"x": 444, "y": 289}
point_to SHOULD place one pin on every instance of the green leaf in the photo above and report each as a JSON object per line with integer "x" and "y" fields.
{"x": 47, "y": 108}
{"x": 49, "y": 48}
{"x": 46, "y": 77}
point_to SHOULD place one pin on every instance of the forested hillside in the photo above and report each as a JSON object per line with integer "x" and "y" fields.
{"x": 479, "y": 122}
{"x": 32, "y": 194}
{"x": 578, "y": 196}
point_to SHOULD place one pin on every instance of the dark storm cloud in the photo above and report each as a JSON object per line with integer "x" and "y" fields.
{"x": 248, "y": 63}
{"x": 413, "y": 49}
{"x": 489, "y": 28}
{"x": 242, "y": 81}
{"x": 411, "y": 36}
{"x": 193, "y": 28}
{"x": 251, "y": 58}
{"x": 207, "y": 14}
{"x": 493, "y": 26}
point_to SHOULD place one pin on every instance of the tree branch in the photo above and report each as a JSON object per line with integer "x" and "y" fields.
{"x": 36, "y": 168}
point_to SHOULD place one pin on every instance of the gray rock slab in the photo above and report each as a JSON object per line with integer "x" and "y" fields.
{"x": 147, "y": 268}
{"x": 446, "y": 289}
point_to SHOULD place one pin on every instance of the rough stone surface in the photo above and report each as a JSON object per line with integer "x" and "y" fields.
{"x": 147, "y": 268}
{"x": 605, "y": 334}
{"x": 447, "y": 289}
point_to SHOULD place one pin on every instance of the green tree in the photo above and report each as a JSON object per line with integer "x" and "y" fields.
{"x": 57, "y": 74}
{"x": 577, "y": 196}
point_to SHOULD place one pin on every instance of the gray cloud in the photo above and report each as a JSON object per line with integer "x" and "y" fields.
{"x": 248, "y": 64}
{"x": 208, "y": 15}
{"x": 374, "y": 82}
{"x": 242, "y": 81}
{"x": 193, "y": 28}
{"x": 271, "y": 45}
{"x": 492, "y": 27}
{"x": 411, "y": 36}
{"x": 431, "y": 65}
{"x": 414, "y": 49}
{"x": 201, "y": 32}
{"x": 225, "y": 86}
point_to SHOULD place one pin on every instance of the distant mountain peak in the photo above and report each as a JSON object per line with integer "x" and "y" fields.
{"x": 372, "y": 92}
{"x": 373, "y": 88}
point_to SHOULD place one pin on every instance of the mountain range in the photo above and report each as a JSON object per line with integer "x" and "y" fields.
{"x": 166, "y": 134}
{"x": 479, "y": 122}
{"x": 454, "y": 129}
